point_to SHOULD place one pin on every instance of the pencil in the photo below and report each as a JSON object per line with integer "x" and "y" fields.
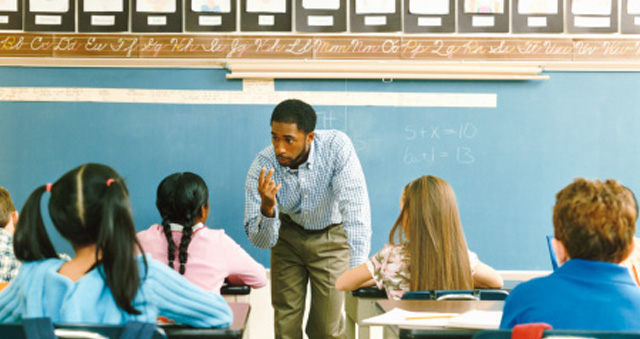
{"x": 430, "y": 317}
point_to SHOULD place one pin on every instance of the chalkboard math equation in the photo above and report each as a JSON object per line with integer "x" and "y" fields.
{"x": 430, "y": 144}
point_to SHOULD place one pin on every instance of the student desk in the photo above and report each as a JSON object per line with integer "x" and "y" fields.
{"x": 235, "y": 293}
{"x": 359, "y": 305}
{"x": 444, "y": 306}
{"x": 235, "y": 331}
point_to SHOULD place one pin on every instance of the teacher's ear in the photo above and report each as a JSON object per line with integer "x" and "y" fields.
{"x": 561, "y": 251}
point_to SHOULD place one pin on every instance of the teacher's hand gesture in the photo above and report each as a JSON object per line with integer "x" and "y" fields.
{"x": 268, "y": 190}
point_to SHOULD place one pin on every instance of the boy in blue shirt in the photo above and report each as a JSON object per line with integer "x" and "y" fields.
{"x": 594, "y": 226}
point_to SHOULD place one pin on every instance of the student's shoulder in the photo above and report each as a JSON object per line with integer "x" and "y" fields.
{"x": 534, "y": 288}
{"x": 29, "y": 268}
{"x": 152, "y": 230}
{"x": 211, "y": 234}
{"x": 331, "y": 136}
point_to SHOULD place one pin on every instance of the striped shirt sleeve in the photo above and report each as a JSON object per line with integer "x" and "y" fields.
{"x": 262, "y": 231}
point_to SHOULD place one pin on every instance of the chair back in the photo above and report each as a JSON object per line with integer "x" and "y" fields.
{"x": 370, "y": 292}
{"x": 482, "y": 294}
{"x": 455, "y": 295}
{"x": 417, "y": 295}
{"x": 552, "y": 253}
{"x": 42, "y": 328}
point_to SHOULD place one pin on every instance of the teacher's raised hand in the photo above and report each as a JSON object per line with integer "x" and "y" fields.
{"x": 267, "y": 189}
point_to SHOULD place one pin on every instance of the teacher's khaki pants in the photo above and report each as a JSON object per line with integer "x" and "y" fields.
{"x": 300, "y": 256}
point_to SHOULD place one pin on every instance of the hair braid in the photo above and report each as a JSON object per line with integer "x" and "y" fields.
{"x": 187, "y": 231}
{"x": 172, "y": 246}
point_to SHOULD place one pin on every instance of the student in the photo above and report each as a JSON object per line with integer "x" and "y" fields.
{"x": 105, "y": 283}
{"x": 434, "y": 255}
{"x": 594, "y": 225}
{"x": 204, "y": 256}
{"x": 9, "y": 265}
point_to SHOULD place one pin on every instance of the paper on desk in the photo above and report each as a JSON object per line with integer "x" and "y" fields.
{"x": 477, "y": 319}
{"x": 401, "y": 317}
{"x": 472, "y": 319}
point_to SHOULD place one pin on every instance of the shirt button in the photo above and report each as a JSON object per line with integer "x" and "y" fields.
{"x": 306, "y": 196}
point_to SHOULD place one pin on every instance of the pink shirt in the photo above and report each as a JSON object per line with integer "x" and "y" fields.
{"x": 212, "y": 257}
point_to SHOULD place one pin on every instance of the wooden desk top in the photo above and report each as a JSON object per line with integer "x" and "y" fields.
{"x": 444, "y": 306}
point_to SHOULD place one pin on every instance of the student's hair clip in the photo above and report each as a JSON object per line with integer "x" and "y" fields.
{"x": 48, "y": 187}
{"x": 110, "y": 181}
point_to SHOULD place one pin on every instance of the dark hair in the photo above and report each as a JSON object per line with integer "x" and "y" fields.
{"x": 87, "y": 210}
{"x": 180, "y": 199}
{"x": 297, "y": 112}
{"x": 595, "y": 220}
{"x": 6, "y": 207}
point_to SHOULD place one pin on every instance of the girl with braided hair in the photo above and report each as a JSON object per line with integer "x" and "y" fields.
{"x": 204, "y": 256}
{"x": 105, "y": 282}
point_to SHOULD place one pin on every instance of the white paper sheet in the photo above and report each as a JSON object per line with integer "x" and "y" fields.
{"x": 591, "y": 7}
{"x": 211, "y": 6}
{"x": 484, "y": 6}
{"x": 8, "y": 5}
{"x": 375, "y": 6}
{"x": 538, "y": 7}
{"x": 429, "y": 7}
{"x": 156, "y": 6}
{"x": 49, "y": 6}
{"x": 321, "y": 4}
{"x": 477, "y": 319}
{"x": 633, "y": 7}
{"x": 401, "y": 317}
{"x": 103, "y": 5}
{"x": 266, "y": 6}
{"x": 472, "y": 319}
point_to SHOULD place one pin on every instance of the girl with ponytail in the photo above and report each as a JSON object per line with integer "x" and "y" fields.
{"x": 204, "y": 256}
{"x": 106, "y": 282}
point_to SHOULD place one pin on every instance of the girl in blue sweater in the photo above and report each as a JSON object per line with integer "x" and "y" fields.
{"x": 105, "y": 283}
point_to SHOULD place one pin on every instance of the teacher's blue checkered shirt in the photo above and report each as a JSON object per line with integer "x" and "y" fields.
{"x": 329, "y": 188}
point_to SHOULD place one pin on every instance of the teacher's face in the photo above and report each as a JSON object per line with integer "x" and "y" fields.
{"x": 290, "y": 144}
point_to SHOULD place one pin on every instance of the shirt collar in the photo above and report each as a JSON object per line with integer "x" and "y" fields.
{"x": 309, "y": 163}
{"x": 178, "y": 227}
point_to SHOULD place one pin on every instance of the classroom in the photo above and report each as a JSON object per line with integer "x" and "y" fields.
{"x": 507, "y": 101}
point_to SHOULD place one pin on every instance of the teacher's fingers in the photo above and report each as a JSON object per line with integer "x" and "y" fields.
{"x": 269, "y": 174}
{"x": 261, "y": 176}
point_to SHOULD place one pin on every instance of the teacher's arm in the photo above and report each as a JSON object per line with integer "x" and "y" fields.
{"x": 261, "y": 229}
{"x": 350, "y": 189}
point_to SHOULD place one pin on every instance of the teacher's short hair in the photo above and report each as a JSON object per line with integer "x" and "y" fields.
{"x": 297, "y": 112}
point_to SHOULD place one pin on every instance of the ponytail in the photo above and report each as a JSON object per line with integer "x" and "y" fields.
{"x": 116, "y": 244}
{"x": 171, "y": 245}
{"x": 30, "y": 241}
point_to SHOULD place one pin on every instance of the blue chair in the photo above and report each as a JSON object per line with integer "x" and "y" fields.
{"x": 370, "y": 292}
{"x": 552, "y": 253}
{"x": 506, "y": 334}
{"x": 455, "y": 295}
{"x": 43, "y": 328}
{"x": 417, "y": 295}
{"x": 491, "y": 294}
{"x": 480, "y": 294}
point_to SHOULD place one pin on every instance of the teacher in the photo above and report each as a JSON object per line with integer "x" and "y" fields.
{"x": 307, "y": 200}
